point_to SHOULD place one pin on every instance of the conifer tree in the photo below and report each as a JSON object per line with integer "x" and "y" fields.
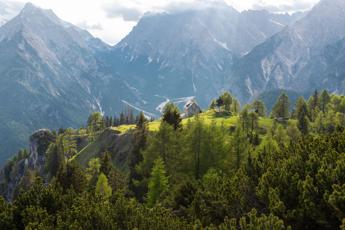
{"x": 73, "y": 177}
{"x": 227, "y": 101}
{"x": 106, "y": 163}
{"x": 103, "y": 189}
{"x": 141, "y": 121}
{"x": 196, "y": 133}
{"x": 95, "y": 122}
{"x": 136, "y": 157}
{"x": 314, "y": 100}
{"x": 171, "y": 116}
{"x": 244, "y": 120}
{"x": 302, "y": 115}
{"x": 122, "y": 119}
{"x": 55, "y": 157}
{"x": 158, "y": 182}
{"x": 239, "y": 147}
{"x": 253, "y": 125}
{"x": 235, "y": 106}
{"x": 259, "y": 108}
{"x": 92, "y": 171}
{"x": 281, "y": 108}
{"x": 219, "y": 103}
{"x": 324, "y": 100}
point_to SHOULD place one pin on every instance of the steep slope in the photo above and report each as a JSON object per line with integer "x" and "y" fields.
{"x": 49, "y": 76}
{"x": 294, "y": 58}
{"x": 188, "y": 53}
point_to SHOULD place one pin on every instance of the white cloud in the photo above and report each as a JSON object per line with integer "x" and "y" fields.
{"x": 111, "y": 20}
{"x": 86, "y": 26}
{"x": 124, "y": 12}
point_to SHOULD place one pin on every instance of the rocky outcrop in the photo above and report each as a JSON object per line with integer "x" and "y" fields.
{"x": 39, "y": 143}
{"x": 15, "y": 170}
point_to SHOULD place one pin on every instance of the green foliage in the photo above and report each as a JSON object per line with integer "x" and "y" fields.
{"x": 281, "y": 108}
{"x": 73, "y": 177}
{"x": 324, "y": 101}
{"x": 6, "y": 215}
{"x": 106, "y": 163}
{"x": 239, "y": 147}
{"x": 135, "y": 159}
{"x": 103, "y": 189}
{"x": 171, "y": 115}
{"x": 56, "y": 160}
{"x": 235, "y": 106}
{"x": 218, "y": 171}
{"x": 227, "y": 101}
{"x": 259, "y": 108}
{"x": 253, "y": 221}
{"x": 302, "y": 116}
{"x": 95, "y": 122}
{"x": 92, "y": 171}
{"x": 141, "y": 121}
{"x": 158, "y": 183}
{"x": 204, "y": 147}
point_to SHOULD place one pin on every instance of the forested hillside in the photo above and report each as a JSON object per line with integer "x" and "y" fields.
{"x": 229, "y": 167}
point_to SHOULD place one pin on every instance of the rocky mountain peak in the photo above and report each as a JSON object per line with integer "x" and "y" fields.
{"x": 324, "y": 24}
{"x": 32, "y": 13}
{"x": 29, "y": 7}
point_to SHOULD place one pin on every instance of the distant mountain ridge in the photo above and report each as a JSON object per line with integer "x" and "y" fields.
{"x": 190, "y": 53}
{"x": 298, "y": 58}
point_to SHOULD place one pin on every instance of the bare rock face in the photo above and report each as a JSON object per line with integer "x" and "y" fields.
{"x": 14, "y": 171}
{"x": 191, "y": 109}
{"x": 39, "y": 143}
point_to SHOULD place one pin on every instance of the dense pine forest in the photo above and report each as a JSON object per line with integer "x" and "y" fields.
{"x": 229, "y": 167}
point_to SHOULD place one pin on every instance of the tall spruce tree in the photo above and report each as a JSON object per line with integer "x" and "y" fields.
{"x": 135, "y": 158}
{"x": 106, "y": 163}
{"x": 103, "y": 189}
{"x": 302, "y": 115}
{"x": 235, "y": 106}
{"x": 281, "y": 108}
{"x": 239, "y": 147}
{"x": 172, "y": 116}
{"x": 95, "y": 122}
{"x": 56, "y": 157}
{"x": 259, "y": 108}
{"x": 227, "y": 101}
{"x": 324, "y": 100}
{"x": 158, "y": 182}
{"x": 141, "y": 121}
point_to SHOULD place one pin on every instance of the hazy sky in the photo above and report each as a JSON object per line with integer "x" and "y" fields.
{"x": 111, "y": 20}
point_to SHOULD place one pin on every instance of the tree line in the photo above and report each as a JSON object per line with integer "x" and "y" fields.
{"x": 285, "y": 170}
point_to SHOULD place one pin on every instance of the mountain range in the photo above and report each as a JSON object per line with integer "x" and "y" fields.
{"x": 54, "y": 74}
{"x": 303, "y": 57}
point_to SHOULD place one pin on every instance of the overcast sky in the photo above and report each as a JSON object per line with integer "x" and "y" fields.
{"x": 111, "y": 20}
